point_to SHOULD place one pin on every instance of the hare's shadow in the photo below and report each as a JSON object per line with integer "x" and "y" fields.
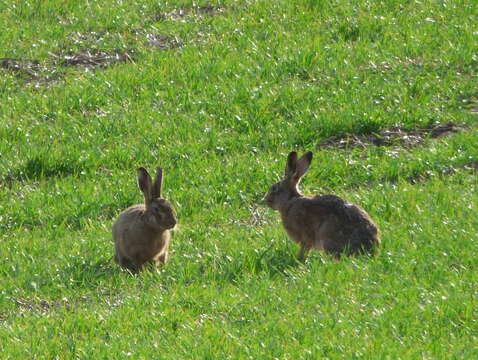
{"x": 270, "y": 262}
{"x": 277, "y": 262}
{"x": 90, "y": 273}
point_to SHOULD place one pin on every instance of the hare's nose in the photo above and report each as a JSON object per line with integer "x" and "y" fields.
{"x": 171, "y": 224}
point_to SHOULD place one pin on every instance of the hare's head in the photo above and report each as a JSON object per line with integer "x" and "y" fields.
{"x": 281, "y": 192}
{"x": 159, "y": 212}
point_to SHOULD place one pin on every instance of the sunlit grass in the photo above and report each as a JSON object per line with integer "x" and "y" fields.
{"x": 250, "y": 82}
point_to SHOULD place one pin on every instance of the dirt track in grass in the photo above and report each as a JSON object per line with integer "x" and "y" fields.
{"x": 394, "y": 136}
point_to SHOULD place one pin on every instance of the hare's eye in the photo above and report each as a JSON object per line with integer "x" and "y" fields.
{"x": 275, "y": 188}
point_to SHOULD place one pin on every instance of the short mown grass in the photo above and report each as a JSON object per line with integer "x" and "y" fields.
{"x": 243, "y": 83}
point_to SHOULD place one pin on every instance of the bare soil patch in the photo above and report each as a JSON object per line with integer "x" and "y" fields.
{"x": 471, "y": 167}
{"x": 30, "y": 68}
{"x": 30, "y": 71}
{"x": 41, "y": 306}
{"x": 471, "y": 104}
{"x": 395, "y": 136}
{"x": 199, "y": 11}
{"x": 163, "y": 42}
{"x": 95, "y": 59}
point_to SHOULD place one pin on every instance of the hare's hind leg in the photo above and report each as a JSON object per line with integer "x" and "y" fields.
{"x": 128, "y": 264}
{"x": 303, "y": 252}
{"x": 118, "y": 256}
{"x": 162, "y": 258}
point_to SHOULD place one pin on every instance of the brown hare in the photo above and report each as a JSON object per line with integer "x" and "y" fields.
{"x": 324, "y": 222}
{"x": 141, "y": 232}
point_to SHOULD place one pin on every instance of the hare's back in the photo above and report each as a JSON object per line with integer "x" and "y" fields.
{"x": 128, "y": 220}
{"x": 354, "y": 226}
{"x": 344, "y": 210}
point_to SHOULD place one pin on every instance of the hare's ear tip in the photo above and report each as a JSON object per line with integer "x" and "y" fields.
{"x": 309, "y": 155}
{"x": 143, "y": 172}
{"x": 159, "y": 173}
{"x": 292, "y": 156}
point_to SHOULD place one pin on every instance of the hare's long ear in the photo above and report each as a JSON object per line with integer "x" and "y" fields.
{"x": 302, "y": 165}
{"x": 158, "y": 183}
{"x": 146, "y": 185}
{"x": 291, "y": 165}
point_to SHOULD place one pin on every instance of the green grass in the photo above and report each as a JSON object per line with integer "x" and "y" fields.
{"x": 250, "y": 83}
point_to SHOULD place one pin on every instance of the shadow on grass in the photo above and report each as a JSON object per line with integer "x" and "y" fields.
{"x": 82, "y": 278}
{"x": 90, "y": 274}
{"x": 270, "y": 263}
{"x": 276, "y": 262}
{"x": 39, "y": 167}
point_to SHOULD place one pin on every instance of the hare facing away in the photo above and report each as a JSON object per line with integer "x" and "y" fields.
{"x": 141, "y": 232}
{"x": 324, "y": 222}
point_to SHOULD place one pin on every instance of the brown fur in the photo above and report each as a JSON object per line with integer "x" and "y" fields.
{"x": 141, "y": 232}
{"x": 324, "y": 222}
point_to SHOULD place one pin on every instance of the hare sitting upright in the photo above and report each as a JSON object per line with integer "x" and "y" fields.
{"x": 324, "y": 222}
{"x": 141, "y": 232}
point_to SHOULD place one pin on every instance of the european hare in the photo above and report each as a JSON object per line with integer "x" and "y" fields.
{"x": 141, "y": 233}
{"x": 324, "y": 222}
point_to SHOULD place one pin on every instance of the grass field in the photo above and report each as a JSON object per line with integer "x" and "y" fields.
{"x": 218, "y": 93}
